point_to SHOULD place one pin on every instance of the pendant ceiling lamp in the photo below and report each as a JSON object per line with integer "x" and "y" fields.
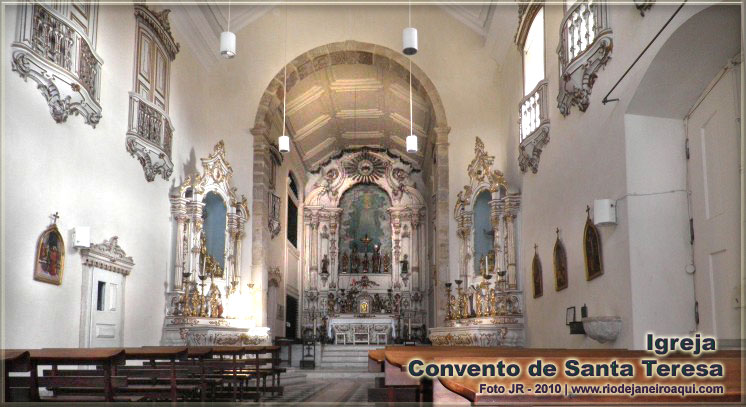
{"x": 283, "y": 141}
{"x": 228, "y": 39}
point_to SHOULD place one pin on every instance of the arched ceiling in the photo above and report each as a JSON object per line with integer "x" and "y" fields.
{"x": 352, "y": 105}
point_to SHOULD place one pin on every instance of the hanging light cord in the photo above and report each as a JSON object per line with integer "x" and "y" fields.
{"x": 411, "y": 123}
{"x": 285, "y": 73}
{"x": 229, "y": 15}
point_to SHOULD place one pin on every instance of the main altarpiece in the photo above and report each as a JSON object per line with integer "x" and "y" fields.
{"x": 364, "y": 250}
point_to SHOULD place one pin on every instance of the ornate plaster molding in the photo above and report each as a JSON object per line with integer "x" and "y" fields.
{"x": 64, "y": 66}
{"x": 158, "y": 22}
{"x": 108, "y": 255}
{"x": 149, "y": 138}
{"x": 533, "y": 113}
{"x": 582, "y": 55}
{"x": 644, "y": 5}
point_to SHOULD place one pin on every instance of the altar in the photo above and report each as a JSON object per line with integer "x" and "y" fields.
{"x": 351, "y": 330}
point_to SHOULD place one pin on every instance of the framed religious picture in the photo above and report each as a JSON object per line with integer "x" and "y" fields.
{"x": 560, "y": 264}
{"x": 536, "y": 274}
{"x": 50, "y": 256}
{"x": 592, "y": 249}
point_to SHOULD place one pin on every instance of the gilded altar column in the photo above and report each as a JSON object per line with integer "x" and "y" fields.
{"x": 512, "y": 204}
{"x": 497, "y": 211}
{"x": 414, "y": 249}
{"x": 334, "y": 219}
{"x": 194, "y": 212}
{"x": 314, "y": 269}
{"x": 178, "y": 210}
{"x": 396, "y": 246}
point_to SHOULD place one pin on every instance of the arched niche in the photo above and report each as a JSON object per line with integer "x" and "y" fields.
{"x": 485, "y": 213}
{"x": 210, "y": 220}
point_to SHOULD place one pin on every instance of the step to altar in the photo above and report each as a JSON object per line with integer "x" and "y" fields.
{"x": 351, "y": 358}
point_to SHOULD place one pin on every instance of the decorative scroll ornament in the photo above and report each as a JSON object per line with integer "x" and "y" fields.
{"x": 149, "y": 138}
{"x": 644, "y": 5}
{"x": 534, "y": 127}
{"x": 582, "y": 52}
{"x": 365, "y": 168}
{"x": 108, "y": 255}
{"x": 60, "y": 57}
{"x": 159, "y": 24}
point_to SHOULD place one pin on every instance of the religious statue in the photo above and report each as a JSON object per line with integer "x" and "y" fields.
{"x": 203, "y": 252}
{"x": 345, "y": 266}
{"x": 376, "y": 259}
{"x": 463, "y": 306}
{"x": 405, "y": 265}
{"x": 194, "y": 301}
{"x": 478, "y": 302}
{"x": 214, "y": 301}
{"x": 366, "y": 263}
{"x": 355, "y": 260}
{"x": 330, "y": 303}
{"x": 325, "y": 265}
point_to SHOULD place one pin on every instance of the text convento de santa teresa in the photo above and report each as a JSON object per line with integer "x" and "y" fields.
{"x": 655, "y": 366}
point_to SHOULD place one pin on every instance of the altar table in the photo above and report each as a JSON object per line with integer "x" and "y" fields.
{"x": 350, "y": 325}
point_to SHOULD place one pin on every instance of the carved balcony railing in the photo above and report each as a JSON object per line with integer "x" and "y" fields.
{"x": 534, "y": 127}
{"x": 149, "y": 137}
{"x": 585, "y": 46}
{"x": 61, "y": 59}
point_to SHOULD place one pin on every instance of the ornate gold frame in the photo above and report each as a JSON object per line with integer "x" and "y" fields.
{"x": 588, "y": 227}
{"x": 50, "y": 229}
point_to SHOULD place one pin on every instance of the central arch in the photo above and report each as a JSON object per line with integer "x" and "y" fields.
{"x": 434, "y": 161}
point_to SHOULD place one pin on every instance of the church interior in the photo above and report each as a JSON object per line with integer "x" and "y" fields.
{"x": 291, "y": 196}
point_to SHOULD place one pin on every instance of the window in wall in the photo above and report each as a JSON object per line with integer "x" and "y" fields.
{"x": 292, "y": 221}
{"x": 533, "y": 108}
{"x": 150, "y": 132}
{"x": 533, "y": 54}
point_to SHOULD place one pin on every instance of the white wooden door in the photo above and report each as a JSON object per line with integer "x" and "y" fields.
{"x": 713, "y": 132}
{"x": 107, "y": 315}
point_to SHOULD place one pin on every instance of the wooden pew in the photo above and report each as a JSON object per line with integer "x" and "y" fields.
{"x": 151, "y": 354}
{"x": 14, "y": 360}
{"x": 104, "y": 358}
{"x": 466, "y": 390}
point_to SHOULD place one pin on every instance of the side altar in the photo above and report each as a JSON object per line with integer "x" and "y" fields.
{"x": 482, "y": 311}
{"x": 207, "y": 305}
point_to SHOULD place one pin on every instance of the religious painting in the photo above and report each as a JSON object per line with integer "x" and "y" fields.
{"x": 560, "y": 265}
{"x": 50, "y": 256}
{"x": 592, "y": 250}
{"x": 365, "y": 223}
{"x": 536, "y": 275}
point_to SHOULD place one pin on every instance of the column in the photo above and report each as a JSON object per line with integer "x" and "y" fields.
{"x": 441, "y": 219}
{"x": 314, "y": 249}
{"x": 414, "y": 249}
{"x": 179, "y": 214}
{"x": 511, "y": 211}
{"x": 260, "y": 210}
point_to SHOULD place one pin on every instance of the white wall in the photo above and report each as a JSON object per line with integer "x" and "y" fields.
{"x": 662, "y": 292}
{"x": 593, "y": 155}
{"x": 87, "y": 176}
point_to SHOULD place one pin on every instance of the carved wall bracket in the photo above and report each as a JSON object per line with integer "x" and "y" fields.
{"x": 60, "y": 57}
{"x": 585, "y": 47}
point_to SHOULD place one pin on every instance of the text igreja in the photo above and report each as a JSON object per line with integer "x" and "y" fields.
{"x": 576, "y": 367}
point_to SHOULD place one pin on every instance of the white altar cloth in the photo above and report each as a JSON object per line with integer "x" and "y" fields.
{"x": 347, "y": 322}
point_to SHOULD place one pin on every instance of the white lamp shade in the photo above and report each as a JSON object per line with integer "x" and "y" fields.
{"x": 227, "y": 44}
{"x": 409, "y": 41}
{"x": 411, "y": 143}
{"x": 284, "y": 143}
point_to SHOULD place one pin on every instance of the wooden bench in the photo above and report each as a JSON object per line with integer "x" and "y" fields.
{"x": 104, "y": 358}
{"x": 15, "y": 360}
